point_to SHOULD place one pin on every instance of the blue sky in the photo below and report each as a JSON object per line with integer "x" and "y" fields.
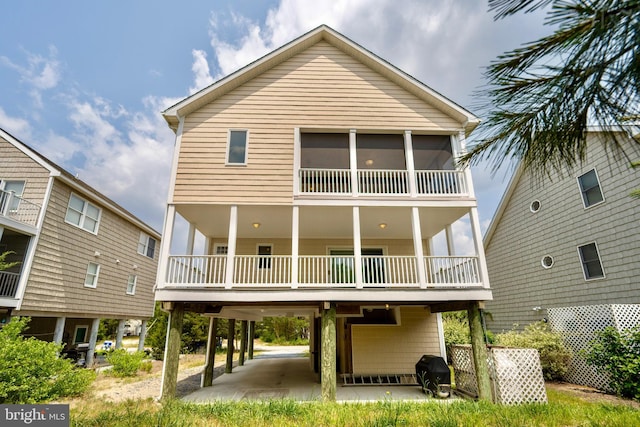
{"x": 84, "y": 82}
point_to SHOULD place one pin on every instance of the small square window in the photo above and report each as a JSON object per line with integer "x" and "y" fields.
{"x": 237, "y": 147}
{"x": 590, "y": 258}
{"x": 222, "y": 249}
{"x": 590, "y": 188}
{"x": 131, "y": 284}
{"x": 82, "y": 214}
{"x": 91, "y": 279}
{"x": 146, "y": 245}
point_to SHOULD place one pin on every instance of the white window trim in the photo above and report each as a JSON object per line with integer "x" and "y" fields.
{"x": 582, "y": 192}
{"x": 135, "y": 283}
{"x": 75, "y": 333}
{"x": 146, "y": 245}
{"x": 246, "y": 148}
{"x": 220, "y": 245}
{"x": 95, "y": 280}
{"x": 531, "y": 207}
{"x": 547, "y": 266}
{"x": 84, "y": 214}
{"x": 584, "y": 274}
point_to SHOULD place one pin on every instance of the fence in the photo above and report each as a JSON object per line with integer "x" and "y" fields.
{"x": 516, "y": 374}
{"x": 578, "y": 326}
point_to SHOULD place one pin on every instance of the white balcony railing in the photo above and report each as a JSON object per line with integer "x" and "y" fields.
{"x": 8, "y": 284}
{"x": 322, "y": 271}
{"x": 18, "y": 209}
{"x": 382, "y": 182}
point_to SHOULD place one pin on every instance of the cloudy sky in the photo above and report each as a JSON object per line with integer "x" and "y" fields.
{"x": 84, "y": 82}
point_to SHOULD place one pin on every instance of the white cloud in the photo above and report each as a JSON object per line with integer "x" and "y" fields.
{"x": 202, "y": 76}
{"x": 16, "y": 126}
{"x": 40, "y": 73}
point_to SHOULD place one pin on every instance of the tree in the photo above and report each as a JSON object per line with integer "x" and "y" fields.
{"x": 542, "y": 96}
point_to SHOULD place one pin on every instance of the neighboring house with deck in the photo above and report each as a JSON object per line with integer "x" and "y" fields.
{"x": 319, "y": 176}
{"x": 81, "y": 256}
{"x": 567, "y": 241}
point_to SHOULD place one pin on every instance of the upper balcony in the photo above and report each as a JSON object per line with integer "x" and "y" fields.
{"x": 18, "y": 209}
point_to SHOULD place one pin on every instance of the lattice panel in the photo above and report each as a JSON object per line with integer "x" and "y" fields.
{"x": 578, "y": 326}
{"x": 464, "y": 370}
{"x": 517, "y": 376}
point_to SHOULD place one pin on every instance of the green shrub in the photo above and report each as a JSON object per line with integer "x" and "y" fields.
{"x": 618, "y": 354}
{"x": 32, "y": 371}
{"x": 125, "y": 364}
{"x": 146, "y": 366}
{"x": 554, "y": 356}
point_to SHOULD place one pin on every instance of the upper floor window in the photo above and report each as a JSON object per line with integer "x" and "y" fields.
{"x": 237, "y": 147}
{"x": 221, "y": 249}
{"x": 146, "y": 245}
{"x": 131, "y": 284}
{"x": 590, "y": 258}
{"x": 17, "y": 187}
{"x": 590, "y": 188}
{"x": 91, "y": 278}
{"x": 83, "y": 214}
{"x": 264, "y": 253}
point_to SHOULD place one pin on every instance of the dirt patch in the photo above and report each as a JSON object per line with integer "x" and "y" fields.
{"x": 590, "y": 394}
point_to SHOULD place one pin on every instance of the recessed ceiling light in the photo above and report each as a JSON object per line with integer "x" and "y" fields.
{"x": 256, "y": 225}
{"x": 382, "y": 225}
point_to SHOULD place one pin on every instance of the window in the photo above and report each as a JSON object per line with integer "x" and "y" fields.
{"x": 91, "y": 279}
{"x": 237, "y": 147}
{"x": 131, "y": 284}
{"x": 146, "y": 245}
{"x": 547, "y": 261}
{"x": 83, "y": 214}
{"x": 534, "y": 206}
{"x": 222, "y": 249}
{"x": 590, "y": 188}
{"x": 80, "y": 334}
{"x": 590, "y": 258}
{"x": 264, "y": 253}
{"x": 17, "y": 187}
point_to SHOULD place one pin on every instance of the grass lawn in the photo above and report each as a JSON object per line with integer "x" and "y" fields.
{"x": 564, "y": 409}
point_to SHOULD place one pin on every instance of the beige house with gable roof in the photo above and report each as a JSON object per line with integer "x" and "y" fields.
{"x": 81, "y": 256}
{"x": 319, "y": 176}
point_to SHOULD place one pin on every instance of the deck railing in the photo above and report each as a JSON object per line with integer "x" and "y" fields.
{"x": 8, "y": 284}
{"x": 323, "y": 271}
{"x": 382, "y": 182}
{"x": 18, "y": 209}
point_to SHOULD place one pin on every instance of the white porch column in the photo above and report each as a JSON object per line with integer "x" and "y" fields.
{"x": 58, "y": 332}
{"x": 443, "y": 345}
{"x": 191, "y": 237}
{"x": 411, "y": 169}
{"x": 92, "y": 342}
{"x": 448, "y": 231}
{"x": 231, "y": 246}
{"x": 417, "y": 246}
{"x": 143, "y": 335}
{"x": 295, "y": 235}
{"x": 120, "y": 333}
{"x": 353, "y": 162}
{"x": 165, "y": 245}
{"x": 357, "y": 247}
{"x": 477, "y": 241}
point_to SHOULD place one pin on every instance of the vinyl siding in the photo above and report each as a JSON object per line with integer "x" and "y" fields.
{"x": 395, "y": 349}
{"x": 56, "y": 282}
{"x": 522, "y": 239}
{"x": 321, "y": 88}
{"x": 15, "y": 165}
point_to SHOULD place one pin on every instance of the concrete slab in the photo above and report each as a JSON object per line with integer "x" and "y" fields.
{"x": 286, "y": 374}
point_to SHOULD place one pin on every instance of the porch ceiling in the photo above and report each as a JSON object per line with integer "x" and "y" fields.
{"x": 318, "y": 222}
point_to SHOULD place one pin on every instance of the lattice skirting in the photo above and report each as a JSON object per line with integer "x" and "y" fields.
{"x": 578, "y": 326}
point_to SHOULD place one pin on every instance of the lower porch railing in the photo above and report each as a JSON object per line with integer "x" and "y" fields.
{"x": 8, "y": 284}
{"x": 324, "y": 271}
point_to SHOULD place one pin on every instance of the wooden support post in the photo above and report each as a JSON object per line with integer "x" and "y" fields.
{"x": 93, "y": 338}
{"x": 252, "y": 332}
{"x": 207, "y": 375}
{"x": 231, "y": 334}
{"x": 479, "y": 349}
{"x": 328, "y": 353}
{"x": 143, "y": 334}
{"x": 243, "y": 342}
{"x": 172, "y": 351}
{"x": 120, "y": 333}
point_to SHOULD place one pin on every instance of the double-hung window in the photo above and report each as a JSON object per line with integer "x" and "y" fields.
{"x": 590, "y": 258}
{"x": 146, "y": 245}
{"x": 131, "y": 284}
{"x": 237, "y": 147}
{"x": 91, "y": 278}
{"x": 590, "y": 188}
{"x": 83, "y": 214}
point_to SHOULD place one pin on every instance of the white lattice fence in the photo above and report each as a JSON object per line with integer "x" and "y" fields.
{"x": 515, "y": 373}
{"x": 578, "y": 326}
